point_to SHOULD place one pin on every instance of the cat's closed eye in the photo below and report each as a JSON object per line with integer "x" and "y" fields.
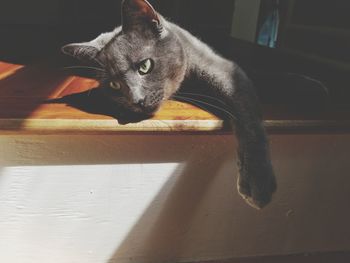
{"x": 146, "y": 66}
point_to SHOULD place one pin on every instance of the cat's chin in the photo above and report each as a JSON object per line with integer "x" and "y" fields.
{"x": 128, "y": 115}
{"x": 134, "y": 109}
{"x": 150, "y": 110}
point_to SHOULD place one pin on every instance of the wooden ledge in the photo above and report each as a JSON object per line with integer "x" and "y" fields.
{"x": 23, "y": 90}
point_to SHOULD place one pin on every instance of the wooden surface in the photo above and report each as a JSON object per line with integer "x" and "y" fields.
{"x": 24, "y": 90}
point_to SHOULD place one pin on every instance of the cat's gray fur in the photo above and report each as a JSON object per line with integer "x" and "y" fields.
{"x": 181, "y": 60}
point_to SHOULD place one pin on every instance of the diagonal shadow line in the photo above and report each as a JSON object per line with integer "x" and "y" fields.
{"x": 169, "y": 222}
{"x": 23, "y": 91}
{"x": 95, "y": 101}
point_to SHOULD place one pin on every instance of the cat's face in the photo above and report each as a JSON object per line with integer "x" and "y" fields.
{"x": 144, "y": 63}
{"x": 143, "y": 69}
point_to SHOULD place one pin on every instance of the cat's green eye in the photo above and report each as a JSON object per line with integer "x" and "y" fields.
{"x": 115, "y": 85}
{"x": 145, "y": 67}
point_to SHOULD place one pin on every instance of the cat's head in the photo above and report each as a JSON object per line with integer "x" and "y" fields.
{"x": 144, "y": 62}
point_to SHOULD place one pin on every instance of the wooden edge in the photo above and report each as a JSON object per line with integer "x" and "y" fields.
{"x": 315, "y": 126}
{"x": 74, "y": 126}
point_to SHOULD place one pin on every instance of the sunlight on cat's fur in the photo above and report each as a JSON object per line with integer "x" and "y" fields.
{"x": 148, "y": 60}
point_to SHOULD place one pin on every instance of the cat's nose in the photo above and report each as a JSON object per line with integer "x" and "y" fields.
{"x": 141, "y": 103}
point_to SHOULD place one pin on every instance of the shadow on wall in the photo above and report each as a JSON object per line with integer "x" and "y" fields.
{"x": 161, "y": 232}
{"x": 196, "y": 214}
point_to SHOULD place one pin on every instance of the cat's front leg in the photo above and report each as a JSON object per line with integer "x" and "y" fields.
{"x": 256, "y": 182}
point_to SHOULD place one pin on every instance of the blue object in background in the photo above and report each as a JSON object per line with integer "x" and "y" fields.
{"x": 269, "y": 31}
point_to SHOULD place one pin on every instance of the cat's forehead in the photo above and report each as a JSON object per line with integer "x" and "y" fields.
{"x": 123, "y": 52}
{"x": 131, "y": 46}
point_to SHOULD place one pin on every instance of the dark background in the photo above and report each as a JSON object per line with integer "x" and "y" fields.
{"x": 314, "y": 37}
{"x": 43, "y": 25}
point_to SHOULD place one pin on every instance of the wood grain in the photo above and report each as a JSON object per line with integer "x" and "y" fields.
{"x": 24, "y": 90}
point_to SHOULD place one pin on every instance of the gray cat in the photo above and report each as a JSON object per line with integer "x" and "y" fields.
{"x": 148, "y": 60}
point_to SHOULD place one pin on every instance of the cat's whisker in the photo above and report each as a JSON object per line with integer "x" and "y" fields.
{"x": 200, "y": 105}
{"x": 89, "y": 93}
{"x": 97, "y": 61}
{"x": 101, "y": 76}
{"x": 86, "y": 67}
{"x": 191, "y": 102}
{"x": 195, "y": 102}
{"x": 203, "y": 96}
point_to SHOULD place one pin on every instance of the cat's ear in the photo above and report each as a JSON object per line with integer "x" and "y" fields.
{"x": 136, "y": 13}
{"x": 88, "y": 51}
{"x": 82, "y": 51}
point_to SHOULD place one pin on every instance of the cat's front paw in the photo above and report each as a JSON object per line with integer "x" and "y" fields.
{"x": 258, "y": 186}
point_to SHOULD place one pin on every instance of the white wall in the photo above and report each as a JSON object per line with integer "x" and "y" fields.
{"x": 152, "y": 199}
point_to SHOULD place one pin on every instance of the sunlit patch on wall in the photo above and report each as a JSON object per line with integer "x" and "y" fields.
{"x": 68, "y": 213}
